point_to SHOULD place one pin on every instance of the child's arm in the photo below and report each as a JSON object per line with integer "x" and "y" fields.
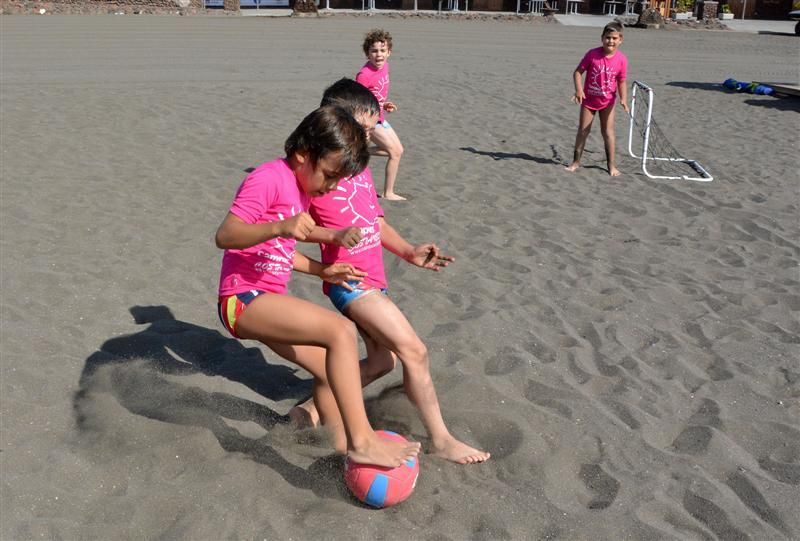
{"x": 426, "y": 255}
{"x": 346, "y": 238}
{"x": 235, "y": 233}
{"x": 335, "y": 273}
{"x": 577, "y": 79}
{"x": 622, "y": 88}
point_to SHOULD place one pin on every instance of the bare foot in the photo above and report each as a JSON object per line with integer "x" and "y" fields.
{"x": 459, "y": 452}
{"x": 393, "y": 197}
{"x": 572, "y": 167}
{"x": 614, "y": 172}
{"x": 383, "y": 452}
{"x": 304, "y": 415}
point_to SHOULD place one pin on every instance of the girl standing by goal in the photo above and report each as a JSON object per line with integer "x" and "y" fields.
{"x": 606, "y": 69}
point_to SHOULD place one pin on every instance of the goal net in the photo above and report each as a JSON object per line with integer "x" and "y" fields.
{"x": 647, "y": 142}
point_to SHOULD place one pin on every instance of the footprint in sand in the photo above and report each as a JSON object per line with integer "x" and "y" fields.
{"x": 604, "y": 486}
{"x": 752, "y": 498}
{"x": 712, "y": 516}
{"x": 694, "y": 439}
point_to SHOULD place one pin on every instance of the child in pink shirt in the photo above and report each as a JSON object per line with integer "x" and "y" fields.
{"x": 267, "y": 217}
{"x": 606, "y": 70}
{"x": 375, "y": 76}
{"x": 386, "y": 332}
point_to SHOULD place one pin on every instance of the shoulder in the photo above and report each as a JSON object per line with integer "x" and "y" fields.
{"x": 590, "y": 55}
{"x": 365, "y": 71}
{"x": 275, "y": 170}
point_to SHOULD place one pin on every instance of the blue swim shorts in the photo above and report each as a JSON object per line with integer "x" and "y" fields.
{"x": 384, "y": 124}
{"x": 341, "y": 297}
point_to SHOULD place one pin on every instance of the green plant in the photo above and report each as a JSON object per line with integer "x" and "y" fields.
{"x": 682, "y": 6}
{"x": 726, "y": 8}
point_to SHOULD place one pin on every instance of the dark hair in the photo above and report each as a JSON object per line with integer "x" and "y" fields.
{"x": 377, "y": 35}
{"x": 351, "y": 96}
{"x": 329, "y": 130}
{"x": 613, "y": 26}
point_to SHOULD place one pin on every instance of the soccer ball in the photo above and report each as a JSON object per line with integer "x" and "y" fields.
{"x": 378, "y": 486}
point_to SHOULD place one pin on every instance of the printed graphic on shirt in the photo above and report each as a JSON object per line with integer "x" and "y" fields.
{"x": 350, "y": 194}
{"x": 380, "y": 89}
{"x": 601, "y": 80}
{"x": 280, "y": 260}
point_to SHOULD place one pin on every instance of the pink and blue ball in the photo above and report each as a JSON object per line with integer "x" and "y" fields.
{"x": 382, "y": 487}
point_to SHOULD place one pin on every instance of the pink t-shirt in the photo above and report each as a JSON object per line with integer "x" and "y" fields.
{"x": 353, "y": 203}
{"x": 268, "y": 194}
{"x": 602, "y": 75}
{"x": 377, "y": 80}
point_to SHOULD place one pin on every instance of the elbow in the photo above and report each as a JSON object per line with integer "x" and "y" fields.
{"x": 220, "y": 240}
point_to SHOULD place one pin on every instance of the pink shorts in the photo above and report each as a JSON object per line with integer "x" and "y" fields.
{"x": 595, "y": 103}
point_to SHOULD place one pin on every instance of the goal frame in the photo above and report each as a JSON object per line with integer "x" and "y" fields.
{"x": 638, "y": 86}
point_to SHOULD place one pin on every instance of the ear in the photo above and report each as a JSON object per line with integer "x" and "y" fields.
{"x": 301, "y": 156}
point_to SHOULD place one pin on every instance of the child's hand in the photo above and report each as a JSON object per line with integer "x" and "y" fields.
{"x": 298, "y": 226}
{"x": 389, "y": 107}
{"x": 429, "y": 257}
{"x": 578, "y": 97}
{"x": 342, "y": 273}
{"x": 348, "y": 237}
{"x": 624, "y": 106}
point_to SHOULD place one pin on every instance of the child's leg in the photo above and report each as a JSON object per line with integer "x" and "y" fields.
{"x": 388, "y": 327}
{"x": 584, "y": 127}
{"x": 282, "y": 320}
{"x": 379, "y": 362}
{"x": 388, "y": 142}
{"x": 609, "y": 138}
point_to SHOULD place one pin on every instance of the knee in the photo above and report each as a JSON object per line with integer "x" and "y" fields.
{"x": 396, "y": 151}
{"x": 342, "y": 331}
{"x": 415, "y": 355}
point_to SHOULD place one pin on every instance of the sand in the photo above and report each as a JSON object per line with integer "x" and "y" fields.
{"x": 626, "y": 348}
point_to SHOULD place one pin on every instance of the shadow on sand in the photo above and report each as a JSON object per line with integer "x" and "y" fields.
{"x": 781, "y": 102}
{"x": 136, "y": 370}
{"x": 697, "y": 86}
{"x": 511, "y": 156}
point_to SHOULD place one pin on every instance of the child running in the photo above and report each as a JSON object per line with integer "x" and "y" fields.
{"x": 385, "y": 330}
{"x": 267, "y": 217}
{"x": 375, "y": 76}
{"x": 606, "y": 70}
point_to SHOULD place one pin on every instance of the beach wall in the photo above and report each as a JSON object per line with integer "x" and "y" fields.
{"x": 101, "y": 7}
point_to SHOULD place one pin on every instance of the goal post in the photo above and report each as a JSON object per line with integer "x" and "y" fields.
{"x": 646, "y": 141}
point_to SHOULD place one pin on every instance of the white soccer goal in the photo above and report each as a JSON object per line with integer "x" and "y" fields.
{"x": 659, "y": 158}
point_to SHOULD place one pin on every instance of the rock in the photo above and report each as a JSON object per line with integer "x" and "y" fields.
{"x": 304, "y": 7}
{"x": 650, "y": 18}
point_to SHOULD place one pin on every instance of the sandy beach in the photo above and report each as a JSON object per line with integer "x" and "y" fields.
{"x": 628, "y": 349}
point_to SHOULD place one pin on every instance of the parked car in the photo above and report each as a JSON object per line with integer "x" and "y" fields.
{"x": 794, "y": 15}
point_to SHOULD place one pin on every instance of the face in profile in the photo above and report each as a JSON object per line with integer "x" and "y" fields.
{"x": 368, "y": 122}
{"x": 318, "y": 179}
